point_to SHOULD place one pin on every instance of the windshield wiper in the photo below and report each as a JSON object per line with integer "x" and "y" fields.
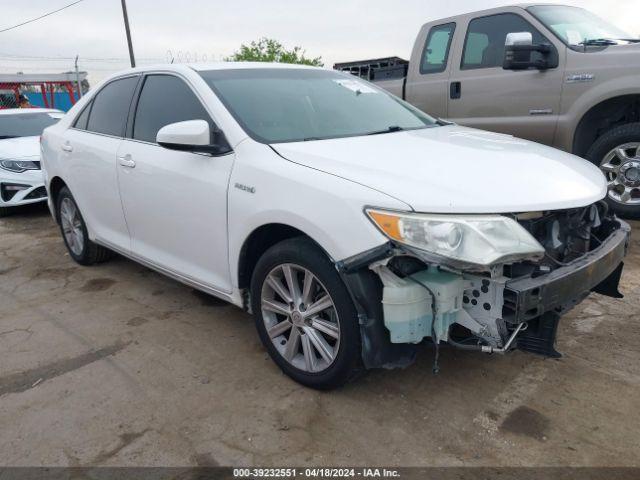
{"x": 608, "y": 41}
{"x": 391, "y": 129}
{"x": 4, "y": 137}
{"x": 598, "y": 41}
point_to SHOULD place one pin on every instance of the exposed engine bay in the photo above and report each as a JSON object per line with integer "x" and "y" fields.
{"x": 505, "y": 306}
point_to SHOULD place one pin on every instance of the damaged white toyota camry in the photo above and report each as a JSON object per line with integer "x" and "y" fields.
{"x": 351, "y": 224}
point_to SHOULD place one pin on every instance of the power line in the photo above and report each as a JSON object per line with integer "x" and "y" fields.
{"x": 6, "y": 69}
{"x": 41, "y": 16}
{"x": 33, "y": 58}
{"x": 85, "y": 60}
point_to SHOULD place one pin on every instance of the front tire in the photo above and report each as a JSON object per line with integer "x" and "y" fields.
{"x": 74, "y": 232}
{"x": 617, "y": 153}
{"x": 305, "y": 316}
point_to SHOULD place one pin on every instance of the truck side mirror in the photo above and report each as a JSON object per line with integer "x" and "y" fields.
{"x": 520, "y": 53}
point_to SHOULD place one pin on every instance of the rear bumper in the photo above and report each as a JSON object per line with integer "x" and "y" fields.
{"x": 599, "y": 270}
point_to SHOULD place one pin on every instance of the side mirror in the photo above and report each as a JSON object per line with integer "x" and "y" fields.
{"x": 520, "y": 53}
{"x": 193, "y": 136}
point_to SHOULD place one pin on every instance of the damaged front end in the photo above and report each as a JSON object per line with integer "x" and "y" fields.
{"x": 505, "y": 288}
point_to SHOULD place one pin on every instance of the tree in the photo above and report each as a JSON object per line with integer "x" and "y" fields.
{"x": 270, "y": 50}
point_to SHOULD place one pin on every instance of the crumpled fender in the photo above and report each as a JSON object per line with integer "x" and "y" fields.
{"x": 365, "y": 288}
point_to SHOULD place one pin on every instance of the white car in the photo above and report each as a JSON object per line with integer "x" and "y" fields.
{"x": 21, "y": 181}
{"x": 351, "y": 224}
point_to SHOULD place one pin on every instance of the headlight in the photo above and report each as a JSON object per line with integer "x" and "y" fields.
{"x": 464, "y": 240}
{"x": 19, "y": 166}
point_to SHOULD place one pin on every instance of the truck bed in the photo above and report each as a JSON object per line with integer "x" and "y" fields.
{"x": 377, "y": 69}
{"x": 394, "y": 86}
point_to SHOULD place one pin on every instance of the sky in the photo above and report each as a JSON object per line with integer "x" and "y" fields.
{"x": 197, "y": 30}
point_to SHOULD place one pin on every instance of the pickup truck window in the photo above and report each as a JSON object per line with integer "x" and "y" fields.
{"x": 576, "y": 26}
{"x": 436, "y": 49}
{"x": 484, "y": 43}
{"x": 277, "y": 105}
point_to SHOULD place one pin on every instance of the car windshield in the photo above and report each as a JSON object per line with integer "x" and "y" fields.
{"x": 276, "y": 105}
{"x": 26, "y": 124}
{"x": 576, "y": 26}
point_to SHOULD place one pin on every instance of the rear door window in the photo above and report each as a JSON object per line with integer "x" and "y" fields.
{"x": 111, "y": 107}
{"x": 436, "y": 49}
{"x": 83, "y": 118}
{"x": 165, "y": 99}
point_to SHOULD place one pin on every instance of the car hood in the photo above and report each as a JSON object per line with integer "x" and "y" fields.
{"x": 20, "y": 147}
{"x": 614, "y": 61}
{"x": 455, "y": 169}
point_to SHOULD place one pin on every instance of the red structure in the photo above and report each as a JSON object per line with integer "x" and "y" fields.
{"x": 11, "y": 86}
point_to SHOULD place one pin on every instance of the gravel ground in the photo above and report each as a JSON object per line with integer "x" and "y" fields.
{"x": 117, "y": 365}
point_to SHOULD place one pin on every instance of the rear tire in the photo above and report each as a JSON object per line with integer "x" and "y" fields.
{"x": 74, "y": 232}
{"x": 602, "y": 150}
{"x": 322, "y": 358}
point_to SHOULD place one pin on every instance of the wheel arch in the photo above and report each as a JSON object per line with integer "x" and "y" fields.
{"x": 609, "y": 113}
{"x": 259, "y": 241}
{"x": 55, "y": 185}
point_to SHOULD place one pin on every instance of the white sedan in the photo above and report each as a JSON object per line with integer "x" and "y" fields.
{"x": 351, "y": 224}
{"x": 21, "y": 181}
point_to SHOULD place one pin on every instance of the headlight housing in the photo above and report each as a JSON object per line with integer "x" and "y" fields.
{"x": 19, "y": 166}
{"x": 462, "y": 241}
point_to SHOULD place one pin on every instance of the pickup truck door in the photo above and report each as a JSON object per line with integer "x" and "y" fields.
{"x": 481, "y": 94}
{"x": 428, "y": 82}
{"x": 175, "y": 203}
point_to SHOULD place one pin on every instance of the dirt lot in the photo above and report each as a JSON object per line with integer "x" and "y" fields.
{"x": 117, "y": 365}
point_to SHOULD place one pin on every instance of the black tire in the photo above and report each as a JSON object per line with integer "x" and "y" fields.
{"x": 602, "y": 146}
{"x": 91, "y": 253}
{"x": 6, "y": 211}
{"x": 347, "y": 364}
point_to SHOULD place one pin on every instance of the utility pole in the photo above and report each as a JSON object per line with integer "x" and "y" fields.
{"x": 126, "y": 27}
{"x": 78, "y": 79}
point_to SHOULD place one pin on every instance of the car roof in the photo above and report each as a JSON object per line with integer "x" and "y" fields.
{"x": 20, "y": 111}
{"x": 251, "y": 65}
{"x": 538, "y": 4}
{"x": 190, "y": 68}
{"x": 177, "y": 67}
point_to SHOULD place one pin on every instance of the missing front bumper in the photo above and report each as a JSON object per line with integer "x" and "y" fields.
{"x": 538, "y": 301}
{"x": 599, "y": 271}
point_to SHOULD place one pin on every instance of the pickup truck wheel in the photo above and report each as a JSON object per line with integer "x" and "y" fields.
{"x": 304, "y": 315}
{"x": 74, "y": 232}
{"x": 617, "y": 153}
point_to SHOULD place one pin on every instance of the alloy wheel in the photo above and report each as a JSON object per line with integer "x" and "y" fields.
{"x": 300, "y": 318}
{"x": 621, "y": 166}
{"x": 71, "y": 225}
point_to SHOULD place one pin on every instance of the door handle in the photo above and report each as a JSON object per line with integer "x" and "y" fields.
{"x": 66, "y": 147}
{"x": 455, "y": 90}
{"x": 127, "y": 161}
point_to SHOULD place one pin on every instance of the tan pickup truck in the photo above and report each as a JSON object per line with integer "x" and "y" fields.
{"x": 553, "y": 74}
